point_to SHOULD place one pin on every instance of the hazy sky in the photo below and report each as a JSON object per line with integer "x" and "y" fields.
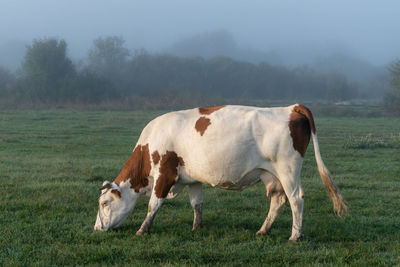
{"x": 370, "y": 29}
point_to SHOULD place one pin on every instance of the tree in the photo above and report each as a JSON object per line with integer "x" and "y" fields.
{"x": 391, "y": 101}
{"x": 108, "y": 58}
{"x": 47, "y": 69}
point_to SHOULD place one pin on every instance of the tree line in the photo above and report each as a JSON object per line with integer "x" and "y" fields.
{"x": 111, "y": 73}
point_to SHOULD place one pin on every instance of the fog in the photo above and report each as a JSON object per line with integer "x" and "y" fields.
{"x": 295, "y": 30}
{"x": 280, "y": 32}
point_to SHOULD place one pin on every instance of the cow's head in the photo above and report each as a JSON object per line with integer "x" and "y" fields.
{"x": 115, "y": 204}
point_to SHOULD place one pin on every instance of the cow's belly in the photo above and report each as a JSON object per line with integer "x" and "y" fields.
{"x": 231, "y": 181}
{"x": 226, "y": 166}
{"x": 241, "y": 183}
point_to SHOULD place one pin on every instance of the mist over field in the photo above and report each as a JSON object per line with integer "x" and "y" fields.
{"x": 296, "y": 32}
{"x": 356, "y": 41}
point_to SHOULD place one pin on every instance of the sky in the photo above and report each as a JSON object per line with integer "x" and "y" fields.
{"x": 298, "y": 29}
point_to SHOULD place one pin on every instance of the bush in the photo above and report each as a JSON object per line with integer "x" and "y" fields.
{"x": 391, "y": 104}
{"x": 371, "y": 142}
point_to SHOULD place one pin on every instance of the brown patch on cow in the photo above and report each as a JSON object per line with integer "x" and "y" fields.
{"x": 201, "y": 125}
{"x": 168, "y": 173}
{"x": 299, "y": 127}
{"x": 156, "y": 157}
{"x": 116, "y": 193}
{"x": 307, "y": 113}
{"x": 209, "y": 110}
{"x": 136, "y": 169}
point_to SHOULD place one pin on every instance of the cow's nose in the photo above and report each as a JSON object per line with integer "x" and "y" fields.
{"x": 97, "y": 228}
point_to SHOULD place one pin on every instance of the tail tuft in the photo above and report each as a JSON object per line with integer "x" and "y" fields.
{"x": 339, "y": 206}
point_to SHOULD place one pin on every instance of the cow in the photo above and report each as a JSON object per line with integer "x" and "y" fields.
{"x": 230, "y": 147}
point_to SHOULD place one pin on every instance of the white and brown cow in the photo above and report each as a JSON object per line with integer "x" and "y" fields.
{"x": 231, "y": 147}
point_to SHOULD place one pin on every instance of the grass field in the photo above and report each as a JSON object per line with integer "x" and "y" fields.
{"x": 51, "y": 163}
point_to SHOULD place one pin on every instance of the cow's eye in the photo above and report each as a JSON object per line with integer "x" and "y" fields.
{"x": 104, "y": 204}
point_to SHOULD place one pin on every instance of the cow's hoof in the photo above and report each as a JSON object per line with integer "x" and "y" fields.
{"x": 138, "y": 233}
{"x": 141, "y": 232}
{"x": 295, "y": 239}
{"x": 260, "y": 233}
{"x": 197, "y": 227}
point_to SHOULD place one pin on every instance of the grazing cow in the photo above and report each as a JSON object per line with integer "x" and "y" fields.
{"x": 231, "y": 147}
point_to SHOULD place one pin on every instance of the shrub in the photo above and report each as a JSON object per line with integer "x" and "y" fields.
{"x": 371, "y": 142}
{"x": 391, "y": 104}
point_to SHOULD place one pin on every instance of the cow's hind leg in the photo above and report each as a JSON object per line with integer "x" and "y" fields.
{"x": 196, "y": 200}
{"x": 292, "y": 186}
{"x": 278, "y": 199}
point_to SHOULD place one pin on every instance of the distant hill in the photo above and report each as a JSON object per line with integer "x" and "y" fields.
{"x": 219, "y": 43}
{"x": 373, "y": 81}
{"x": 354, "y": 68}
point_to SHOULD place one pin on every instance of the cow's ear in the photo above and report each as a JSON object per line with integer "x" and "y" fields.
{"x": 106, "y": 185}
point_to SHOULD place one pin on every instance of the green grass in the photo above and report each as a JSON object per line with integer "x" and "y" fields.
{"x": 51, "y": 163}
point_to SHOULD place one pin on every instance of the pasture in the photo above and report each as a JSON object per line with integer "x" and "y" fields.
{"x": 52, "y": 162}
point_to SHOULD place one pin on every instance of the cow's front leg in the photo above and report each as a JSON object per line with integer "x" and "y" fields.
{"x": 154, "y": 205}
{"x": 196, "y": 200}
{"x": 167, "y": 176}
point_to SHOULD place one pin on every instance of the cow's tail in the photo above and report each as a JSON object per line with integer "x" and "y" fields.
{"x": 339, "y": 206}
